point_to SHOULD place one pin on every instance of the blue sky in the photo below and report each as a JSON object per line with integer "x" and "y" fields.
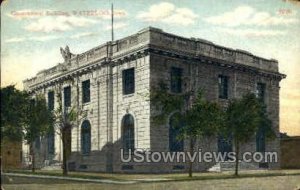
{"x": 32, "y": 32}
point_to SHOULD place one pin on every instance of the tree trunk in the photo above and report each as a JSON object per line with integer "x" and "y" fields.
{"x": 237, "y": 151}
{"x": 33, "y": 158}
{"x": 64, "y": 141}
{"x": 192, "y": 142}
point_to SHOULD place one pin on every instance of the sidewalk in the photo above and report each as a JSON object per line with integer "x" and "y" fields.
{"x": 109, "y": 181}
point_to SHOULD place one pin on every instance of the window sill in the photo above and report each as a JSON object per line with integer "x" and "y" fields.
{"x": 128, "y": 95}
{"x": 86, "y": 103}
{"x": 222, "y": 98}
{"x": 176, "y": 93}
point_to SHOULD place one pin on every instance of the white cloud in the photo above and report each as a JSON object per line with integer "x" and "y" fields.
{"x": 246, "y": 15}
{"x": 34, "y": 38}
{"x": 48, "y": 38}
{"x": 14, "y": 40}
{"x": 252, "y": 32}
{"x": 116, "y": 26}
{"x": 44, "y": 38}
{"x": 82, "y": 35}
{"x": 167, "y": 13}
{"x": 58, "y": 24}
{"x": 157, "y": 12}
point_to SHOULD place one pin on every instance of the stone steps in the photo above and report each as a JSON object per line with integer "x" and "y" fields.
{"x": 230, "y": 166}
{"x": 52, "y": 166}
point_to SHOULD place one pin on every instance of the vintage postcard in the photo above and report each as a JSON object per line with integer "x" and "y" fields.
{"x": 150, "y": 94}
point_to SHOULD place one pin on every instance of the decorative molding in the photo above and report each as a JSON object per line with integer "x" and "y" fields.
{"x": 220, "y": 63}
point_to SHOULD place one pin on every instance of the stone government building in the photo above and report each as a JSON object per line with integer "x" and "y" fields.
{"x": 111, "y": 83}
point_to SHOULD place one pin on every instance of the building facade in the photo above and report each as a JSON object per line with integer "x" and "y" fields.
{"x": 111, "y": 84}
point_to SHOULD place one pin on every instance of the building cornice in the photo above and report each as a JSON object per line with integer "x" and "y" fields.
{"x": 215, "y": 61}
{"x": 155, "y": 41}
{"x": 144, "y": 51}
{"x": 95, "y": 64}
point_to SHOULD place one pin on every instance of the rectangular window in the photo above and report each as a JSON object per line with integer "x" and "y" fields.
{"x": 260, "y": 91}
{"x": 51, "y": 100}
{"x": 128, "y": 81}
{"x": 67, "y": 96}
{"x": 51, "y": 140}
{"x": 176, "y": 80}
{"x": 223, "y": 86}
{"x": 86, "y": 91}
{"x": 32, "y": 103}
{"x": 37, "y": 143}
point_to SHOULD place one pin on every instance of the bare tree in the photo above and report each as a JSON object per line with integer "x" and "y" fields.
{"x": 66, "y": 118}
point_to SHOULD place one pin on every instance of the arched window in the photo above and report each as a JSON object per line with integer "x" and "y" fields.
{"x": 128, "y": 132}
{"x": 225, "y": 145}
{"x": 51, "y": 143}
{"x": 175, "y": 145}
{"x": 86, "y": 137}
{"x": 261, "y": 145}
{"x": 260, "y": 140}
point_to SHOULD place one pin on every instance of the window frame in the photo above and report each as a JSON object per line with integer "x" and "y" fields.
{"x": 128, "y": 81}
{"x": 176, "y": 79}
{"x": 175, "y": 145}
{"x": 260, "y": 140}
{"x": 86, "y": 142}
{"x": 223, "y": 86}
{"x": 68, "y": 102}
{"x": 37, "y": 143}
{"x": 86, "y": 91}
{"x": 259, "y": 90}
{"x": 128, "y": 133}
{"x": 51, "y": 143}
{"x": 51, "y": 100}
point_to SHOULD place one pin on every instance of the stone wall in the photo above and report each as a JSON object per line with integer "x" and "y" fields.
{"x": 290, "y": 152}
{"x": 11, "y": 155}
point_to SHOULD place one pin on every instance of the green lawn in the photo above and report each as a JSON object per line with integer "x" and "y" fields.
{"x": 250, "y": 183}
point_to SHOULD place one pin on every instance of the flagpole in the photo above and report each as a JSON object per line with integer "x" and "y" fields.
{"x": 112, "y": 22}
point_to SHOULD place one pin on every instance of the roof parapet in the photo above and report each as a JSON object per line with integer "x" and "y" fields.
{"x": 161, "y": 39}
